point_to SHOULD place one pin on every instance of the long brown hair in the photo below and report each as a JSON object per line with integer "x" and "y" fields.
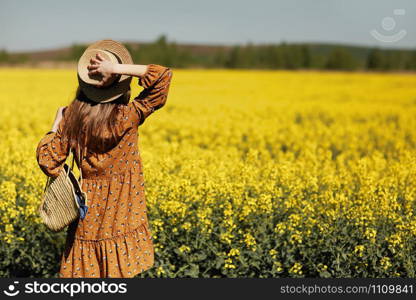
{"x": 92, "y": 125}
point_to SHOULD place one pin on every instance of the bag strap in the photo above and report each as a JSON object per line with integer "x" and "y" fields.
{"x": 80, "y": 171}
{"x": 80, "y": 156}
{"x": 80, "y": 163}
{"x": 47, "y": 183}
{"x": 73, "y": 158}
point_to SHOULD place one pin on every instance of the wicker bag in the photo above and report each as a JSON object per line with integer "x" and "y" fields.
{"x": 63, "y": 199}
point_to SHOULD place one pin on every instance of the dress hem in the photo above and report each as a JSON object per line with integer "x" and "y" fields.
{"x": 78, "y": 260}
{"x": 142, "y": 226}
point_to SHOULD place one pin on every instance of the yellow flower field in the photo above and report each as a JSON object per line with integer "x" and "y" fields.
{"x": 248, "y": 173}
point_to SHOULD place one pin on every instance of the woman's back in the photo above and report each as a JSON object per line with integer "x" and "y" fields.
{"x": 114, "y": 239}
{"x": 119, "y": 159}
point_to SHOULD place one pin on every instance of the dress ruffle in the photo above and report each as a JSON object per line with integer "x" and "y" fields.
{"x": 122, "y": 256}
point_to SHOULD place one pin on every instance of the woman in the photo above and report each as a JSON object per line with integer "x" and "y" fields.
{"x": 113, "y": 239}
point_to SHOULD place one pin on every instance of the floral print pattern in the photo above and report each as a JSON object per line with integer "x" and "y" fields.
{"x": 114, "y": 239}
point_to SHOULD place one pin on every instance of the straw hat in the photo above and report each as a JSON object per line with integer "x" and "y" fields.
{"x": 114, "y": 52}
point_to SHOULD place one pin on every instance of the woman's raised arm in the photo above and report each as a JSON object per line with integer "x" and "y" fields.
{"x": 156, "y": 82}
{"x": 127, "y": 69}
{"x": 154, "y": 78}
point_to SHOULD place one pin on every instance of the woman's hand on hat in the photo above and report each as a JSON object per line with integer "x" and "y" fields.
{"x": 103, "y": 67}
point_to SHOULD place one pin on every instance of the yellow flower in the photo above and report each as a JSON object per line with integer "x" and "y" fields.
{"x": 395, "y": 241}
{"x": 359, "y": 250}
{"x": 229, "y": 264}
{"x": 234, "y": 252}
{"x": 250, "y": 241}
{"x": 226, "y": 237}
{"x": 296, "y": 237}
{"x": 322, "y": 267}
{"x": 160, "y": 271}
{"x": 385, "y": 262}
{"x": 184, "y": 249}
{"x": 280, "y": 228}
{"x": 370, "y": 234}
{"x": 278, "y": 266}
{"x": 296, "y": 269}
{"x": 273, "y": 253}
{"x": 186, "y": 225}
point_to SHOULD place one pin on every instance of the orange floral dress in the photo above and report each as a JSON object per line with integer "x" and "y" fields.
{"x": 114, "y": 239}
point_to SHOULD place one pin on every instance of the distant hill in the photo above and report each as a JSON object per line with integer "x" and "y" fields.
{"x": 258, "y": 56}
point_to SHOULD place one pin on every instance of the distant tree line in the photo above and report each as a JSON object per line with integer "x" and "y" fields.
{"x": 5, "y": 57}
{"x": 250, "y": 56}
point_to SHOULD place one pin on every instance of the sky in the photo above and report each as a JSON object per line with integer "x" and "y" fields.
{"x": 28, "y": 25}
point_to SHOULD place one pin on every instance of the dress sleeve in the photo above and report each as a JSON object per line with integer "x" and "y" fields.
{"x": 155, "y": 81}
{"x": 52, "y": 151}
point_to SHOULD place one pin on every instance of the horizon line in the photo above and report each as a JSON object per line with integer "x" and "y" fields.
{"x": 218, "y": 44}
